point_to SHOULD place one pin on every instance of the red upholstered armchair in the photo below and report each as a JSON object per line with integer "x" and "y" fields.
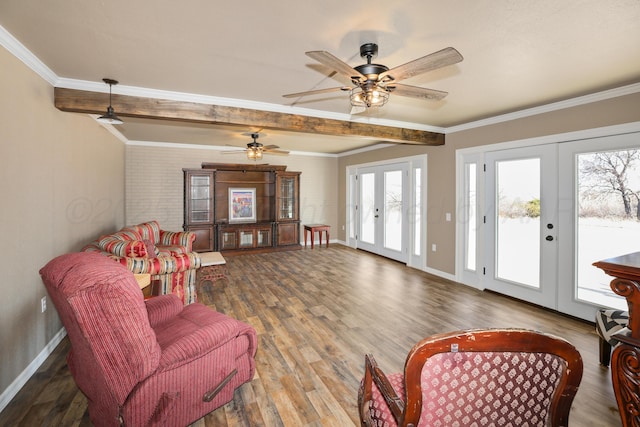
{"x": 142, "y": 363}
{"x": 497, "y": 377}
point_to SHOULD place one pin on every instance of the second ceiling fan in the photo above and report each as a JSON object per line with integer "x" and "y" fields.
{"x": 255, "y": 149}
{"x": 374, "y": 82}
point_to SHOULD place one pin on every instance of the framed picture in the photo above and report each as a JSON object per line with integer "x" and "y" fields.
{"x": 242, "y": 205}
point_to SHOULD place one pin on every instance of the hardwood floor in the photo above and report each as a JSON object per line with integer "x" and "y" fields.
{"x": 317, "y": 312}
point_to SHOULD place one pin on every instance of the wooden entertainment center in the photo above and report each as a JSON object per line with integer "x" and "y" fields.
{"x": 235, "y": 208}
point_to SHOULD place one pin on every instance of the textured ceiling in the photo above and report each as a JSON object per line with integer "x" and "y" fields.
{"x": 517, "y": 55}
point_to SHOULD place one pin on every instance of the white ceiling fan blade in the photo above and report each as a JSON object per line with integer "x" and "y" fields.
{"x": 277, "y": 152}
{"x": 336, "y": 64}
{"x": 442, "y": 58}
{"x": 315, "y": 92}
{"x": 357, "y": 110}
{"x": 416, "y": 92}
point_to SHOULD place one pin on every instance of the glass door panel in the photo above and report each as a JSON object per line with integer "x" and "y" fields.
{"x": 368, "y": 214}
{"x": 287, "y": 192}
{"x": 393, "y": 210}
{"x": 470, "y": 218}
{"x": 416, "y": 216}
{"x": 518, "y": 221}
{"x": 608, "y": 213}
{"x": 521, "y": 222}
{"x": 200, "y": 199}
{"x": 246, "y": 238}
{"x": 264, "y": 238}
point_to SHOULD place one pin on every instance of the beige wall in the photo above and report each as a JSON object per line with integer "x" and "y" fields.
{"x": 441, "y": 162}
{"x": 154, "y": 182}
{"x": 62, "y": 184}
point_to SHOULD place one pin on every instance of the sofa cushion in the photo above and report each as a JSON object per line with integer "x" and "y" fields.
{"x": 126, "y": 234}
{"x": 178, "y": 238}
{"x": 125, "y": 248}
{"x": 147, "y": 230}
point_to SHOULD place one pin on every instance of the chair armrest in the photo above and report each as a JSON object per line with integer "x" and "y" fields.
{"x": 199, "y": 330}
{"x": 162, "y": 308}
{"x": 375, "y": 374}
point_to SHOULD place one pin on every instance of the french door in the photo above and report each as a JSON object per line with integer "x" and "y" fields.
{"x": 521, "y": 223}
{"x": 534, "y": 219}
{"x": 382, "y": 210}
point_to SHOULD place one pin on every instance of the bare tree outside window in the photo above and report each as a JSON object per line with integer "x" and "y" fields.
{"x": 608, "y": 218}
{"x": 607, "y": 176}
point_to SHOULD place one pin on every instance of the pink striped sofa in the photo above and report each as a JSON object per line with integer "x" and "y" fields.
{"x": 166, "y": 255}
{"x": 144, "y": 363}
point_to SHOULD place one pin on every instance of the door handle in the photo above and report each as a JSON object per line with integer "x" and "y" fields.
{"x": 376, "y": 216}
{"x": 549, "y": 238}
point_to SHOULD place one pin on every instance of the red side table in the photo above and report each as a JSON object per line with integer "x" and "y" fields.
{"x": 319, "y": 228}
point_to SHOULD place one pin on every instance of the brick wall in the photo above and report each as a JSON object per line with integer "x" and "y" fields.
{"x": 154, "y": 182}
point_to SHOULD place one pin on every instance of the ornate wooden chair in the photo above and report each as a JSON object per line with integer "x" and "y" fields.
{"x": 479, "y": 377}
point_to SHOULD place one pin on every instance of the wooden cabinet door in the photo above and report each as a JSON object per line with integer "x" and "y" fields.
{"x": 204, "y": 237}
{"x": 198, "y": 197}
{"x": 287, "y": 196}
{"x": 288, "y": 233}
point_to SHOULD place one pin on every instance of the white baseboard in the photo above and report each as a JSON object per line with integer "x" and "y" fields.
{"x": 440, "y": 273}
{"x": 22, "y": 379}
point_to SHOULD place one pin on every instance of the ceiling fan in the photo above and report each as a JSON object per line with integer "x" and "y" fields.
{"x": 374, "y": 82}
{"x": 255, "y": 149}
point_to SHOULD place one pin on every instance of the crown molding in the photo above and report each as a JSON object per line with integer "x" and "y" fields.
{"x": 579, "y": 135}
{"x": 18, "y": 50}
{"x": 555, "y": 106}
{"x": 161, "y": 144}
{"x": 365, "y": 149}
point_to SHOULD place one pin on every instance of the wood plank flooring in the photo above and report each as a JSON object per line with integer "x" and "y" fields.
{"x": 317, "y": 312}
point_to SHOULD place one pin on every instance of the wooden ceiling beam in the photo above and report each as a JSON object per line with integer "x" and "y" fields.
{"x": 79, "y": 101}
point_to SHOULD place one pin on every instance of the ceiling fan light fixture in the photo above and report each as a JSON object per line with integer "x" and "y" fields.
{"x": 375, "y": 97}
{"x": 110, "y": 117}
{"x": 254, "y": 154}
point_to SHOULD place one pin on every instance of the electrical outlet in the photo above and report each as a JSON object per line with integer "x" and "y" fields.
{"x": 43, "y": 304}
{"x": 433, "y": 247}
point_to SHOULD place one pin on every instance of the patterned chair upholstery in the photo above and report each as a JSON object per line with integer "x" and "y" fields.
{"x": 493, "y": 377}
{"x": 166, "y": 255}
{"x": 144, "y": 363}
{"x": 608, "y": 324}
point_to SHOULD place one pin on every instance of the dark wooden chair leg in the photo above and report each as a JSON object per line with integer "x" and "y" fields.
{"x": 605, "y": 352}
